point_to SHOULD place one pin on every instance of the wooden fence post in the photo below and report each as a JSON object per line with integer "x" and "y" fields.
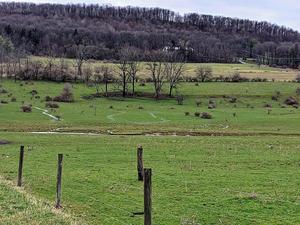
{"x": 140, "y": 164}
{"x": 20, "y": 172}
{"x": 58, "y": 183}
{"x": 147, "y": 196}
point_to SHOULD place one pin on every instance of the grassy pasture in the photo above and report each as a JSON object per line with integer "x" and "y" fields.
{"x": 156, "y": 116}
{"x": 248, "y": 70}
{"x": 17, "y": 209}
{"x": 248, "y": 175}
{"x": 209, "y": 180}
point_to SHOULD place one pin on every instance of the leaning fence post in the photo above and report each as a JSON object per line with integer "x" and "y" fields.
{"x": 140, "y": 164}
{"x": 58, "y": 183}
{"x": 20, "y": 172}
{"x": 147, "y": 196}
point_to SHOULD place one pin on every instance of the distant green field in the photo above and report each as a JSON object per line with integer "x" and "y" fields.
{"x": 137, "y": 115}
{"x": 246, "y": 70}
{"x": 241, "y": 167}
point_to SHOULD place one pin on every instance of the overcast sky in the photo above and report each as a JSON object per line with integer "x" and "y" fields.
{"x": 282, "y": 12}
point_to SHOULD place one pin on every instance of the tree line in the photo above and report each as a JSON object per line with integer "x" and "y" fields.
{"x": 102, "y": 31}
{"x": 164, "y": 69}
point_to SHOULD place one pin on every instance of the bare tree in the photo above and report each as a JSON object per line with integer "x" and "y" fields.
{"x": 6, "y": 49}
{"x": 36, "y": 68}
{"x": 49, "y": 68}
{"x": 88, "y": 72}
{"x": 81, "y": 57}
{"x": 157, "y": 71}
{"x": 19, "y": 55}
{"x": 174, "y": 67}
{"x": 102, "y": 74}
{"x": 133, "y": 68}
{"x": 204, "y": 73}
{"x": 63, "y": 69}
{"x": 107, "y": 77}
{"x": 123, "y": 68}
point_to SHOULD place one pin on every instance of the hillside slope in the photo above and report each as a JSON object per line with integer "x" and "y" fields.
{"x": 58, "y": 30}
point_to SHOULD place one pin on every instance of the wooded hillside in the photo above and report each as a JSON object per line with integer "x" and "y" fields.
{"x": 58, "y": 30}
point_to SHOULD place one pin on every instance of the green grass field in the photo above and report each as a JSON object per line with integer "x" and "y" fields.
{"x": 156, "y": 116}
{"x": 18, "y": 207}
{"x": 241, "y": 169}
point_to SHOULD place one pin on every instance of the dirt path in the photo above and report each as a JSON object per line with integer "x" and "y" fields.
{"x": 175, "y": 133}
{"x": 45, "y": 112}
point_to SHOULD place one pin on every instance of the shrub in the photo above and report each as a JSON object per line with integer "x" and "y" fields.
{"x": 204, "y": 74}
{"x": 233, "y": 99}
{"x": 66, "y": 95}
{"x": 111, "y": 107}
{"x": 179, "y": 99}
{"x": 34, "y": 92}
{"x": 26, "y": 108}
{"x": 291, "y": 101}
{"x": 141, "y": 107}
{"x": 52, "y": 105}
{"x": 211, "y": 104}
{"x": 210, "y": 101}
{"x": 48, "y": 99}
{"x": 187, "y": 113}
{"x": 267, "y": 105}
{"x": 236, "y": 77}
{"x": 259, "y": 79}
{"x": 13, "y": 99}
{"x": 4, "y": 102}
{"x": 278, "y": 93}
{"x": 3, "y": 91}
{"x": 274, "y": 98}
{"x": 198, "y": 102}
{"x": 206, "y": 115}
{"x": 197, "y": 114}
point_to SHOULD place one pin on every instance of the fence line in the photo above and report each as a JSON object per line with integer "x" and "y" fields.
{"x": 149, "y": 211}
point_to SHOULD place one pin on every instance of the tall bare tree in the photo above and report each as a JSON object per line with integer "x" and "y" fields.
{"x": 174, "y": 67}
{"x": 134, "y": 65}
{"x": 156, "y": 67}
{"x": 49, "y": 68}
{"x": 63, "y": 69}
{"x": 81, "y": 57}
{"x": 123, "y": 70}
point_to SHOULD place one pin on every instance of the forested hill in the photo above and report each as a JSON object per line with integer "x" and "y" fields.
{"x": 52, "y": 29}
